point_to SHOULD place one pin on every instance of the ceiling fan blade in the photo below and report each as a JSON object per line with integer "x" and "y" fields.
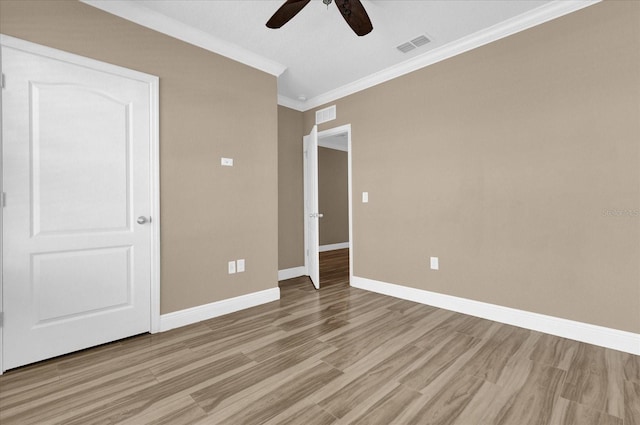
{"x": 286, "y": 12}
{"x": 356, "y": 16}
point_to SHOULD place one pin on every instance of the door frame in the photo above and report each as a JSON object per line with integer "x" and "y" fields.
{"x": 323, "y": 134}
{"x": 154, "y": 158}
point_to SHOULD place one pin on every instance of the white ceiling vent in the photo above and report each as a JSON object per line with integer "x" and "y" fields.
{"x": 326, "y": 114}
{"x": 416, "y": 42}
{"x": 406, "y": 47}
{"x": 420, "y": 41}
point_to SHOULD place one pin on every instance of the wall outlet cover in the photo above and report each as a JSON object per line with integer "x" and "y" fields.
{"x": 240, "y": 265}
{"x": 226, "y": 162}
{"x": 365, "y": 197}
{"x": 232, "y": 267}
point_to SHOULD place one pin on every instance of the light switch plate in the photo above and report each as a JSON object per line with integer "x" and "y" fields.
{"x": 435, "y": 263}
{"x": 365, "y": 197}
{"x": 226, "y": 162}
{"x": 240, "y": 265}
{"x": 232, "y": 267}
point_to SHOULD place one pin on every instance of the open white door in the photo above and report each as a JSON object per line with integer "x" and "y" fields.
{"x": 311, "y": 206}
{"x": 77, "y": 232}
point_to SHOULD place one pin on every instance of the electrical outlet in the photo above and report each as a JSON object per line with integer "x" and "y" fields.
{"x": 226, "y": 162}
{"x": 240, "y": 265}
{"x": 365, "y": 197}
{"x": 435, "y": 263}
{"x": 232, "y": 267}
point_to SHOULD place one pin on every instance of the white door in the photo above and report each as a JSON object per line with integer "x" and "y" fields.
{"x": 311, "y": 205}
{"x": 76, "y": 167}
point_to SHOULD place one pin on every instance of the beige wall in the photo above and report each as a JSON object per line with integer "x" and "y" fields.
{"x": 503, "y": 162}
{"x": 290, "y": 189}
{"x": 210, "y": 107}
{"x": 333, "y": 196}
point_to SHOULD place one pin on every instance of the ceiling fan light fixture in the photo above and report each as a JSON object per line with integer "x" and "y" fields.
{"x": 345, "y": 9}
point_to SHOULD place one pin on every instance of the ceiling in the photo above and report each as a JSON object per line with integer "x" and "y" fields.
{"x": 316, "y": 56}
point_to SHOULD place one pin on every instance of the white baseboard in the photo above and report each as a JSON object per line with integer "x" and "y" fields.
{"x": 598, "y": 335}
{"x": 219, "y": 308}
{"x": 333, "y": 246}
{"x": 291, "y": 273}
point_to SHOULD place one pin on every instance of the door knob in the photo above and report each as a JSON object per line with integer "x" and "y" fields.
{"x": 142, "y": 219}
{"x": 319, "y": 215}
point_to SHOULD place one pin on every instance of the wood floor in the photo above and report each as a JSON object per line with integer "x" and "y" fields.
{"x": 339, "y": 355}
{"x": 334, "y": 267}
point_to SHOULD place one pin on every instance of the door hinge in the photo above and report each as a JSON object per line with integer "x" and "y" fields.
{"x": 307, "y": 252}
{"x": 2, "y": 80}
{"x": 3, "y": 201}
{"x": 1, "y": 319}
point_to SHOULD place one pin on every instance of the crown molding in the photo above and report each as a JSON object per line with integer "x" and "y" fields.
{"x": 161, "y": 23}
{"x": 176, "y": 29}
{"x": 291, "y": 103}
{"x": 504, "y": 29}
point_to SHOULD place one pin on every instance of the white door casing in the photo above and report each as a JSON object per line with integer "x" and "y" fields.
{"x": 80, "y": 166}
{"x": 332, "y": 132}
{"x": 311, "y": 214}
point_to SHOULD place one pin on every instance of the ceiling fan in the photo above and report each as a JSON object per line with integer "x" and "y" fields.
{"x": 351, "y": 10}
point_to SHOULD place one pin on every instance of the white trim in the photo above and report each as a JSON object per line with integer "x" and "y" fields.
{"x": 350, "y": 192}
{"x": 333, "y": 246}
{"x": 1, "y": 228}
{"x": 291, "y": 273}
{"x": 155, "y": 205}
{"x": 174, "y": 28}
{"x": 333, "y": 132}
{"x": 154, "y": 152}
{"x": 157, "y": 21}
{"x": 219, "y": 308}
{"x": 333, "y": 145}
{"x": 305, "y": 193}
{"x": 305, "y": 218}
{"x": 291, "y": 103}
{"x": 540, "y": 15}
{"x": 323, "y": 134}
{"x": 38, "y": 49}
{"x": 598, "y": 335}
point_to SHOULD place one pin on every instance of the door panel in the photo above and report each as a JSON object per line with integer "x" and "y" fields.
{"x": 60, "y": 282}
{"x": 76, "y": 172}
{"x": 63, "y": 202}
{"x": 311, "y": 205}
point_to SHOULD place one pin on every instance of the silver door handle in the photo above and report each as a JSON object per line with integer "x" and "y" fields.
{"x": 319, "y": 215}
{"x": 316, "y": 215}
{"x": 142, "y": 220}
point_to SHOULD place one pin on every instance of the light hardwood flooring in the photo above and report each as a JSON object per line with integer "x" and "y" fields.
{"x": 339, "y": 355}
{"x": 334, "y": 267}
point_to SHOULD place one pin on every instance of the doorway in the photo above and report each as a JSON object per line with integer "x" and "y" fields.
{"x": 333, "y": 202}
{"x": 327, "y": 254}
